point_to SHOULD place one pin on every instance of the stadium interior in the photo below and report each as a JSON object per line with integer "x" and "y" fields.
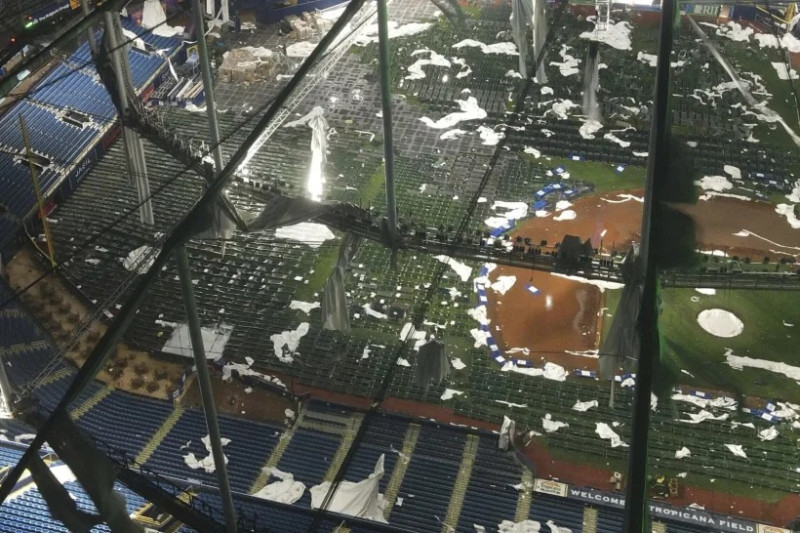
{"x": 399, "y": 266}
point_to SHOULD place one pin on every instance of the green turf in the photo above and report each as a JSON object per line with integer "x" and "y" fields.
{"x": 610, "y": 300}
{"x": 324, "y": 262}
{"x": 602, "y": 175}
{"x": 373, "y": 187}
{"x": 326, "y": 259}
{"x": 781, "y": 102}
{"x": 688, "y": 347}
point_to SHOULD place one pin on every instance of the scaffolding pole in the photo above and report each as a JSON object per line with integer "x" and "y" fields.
{"x": 134, "y": 150}
{"x": 205, "y": 69}
{"x": 51, "y": 253}
{"x": 90, "y": 31}
{"x": 386, "y": 109}
{"x": 204, "y": 381}
{"x": 636, "y": 497}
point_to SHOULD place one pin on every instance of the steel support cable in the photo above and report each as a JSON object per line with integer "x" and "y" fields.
{"x": 436, "y": 280}
{"x": 178, "y": 236}
{"x": 636, "y": 497}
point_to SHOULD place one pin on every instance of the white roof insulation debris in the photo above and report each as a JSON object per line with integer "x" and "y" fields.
{"x": 462, "y": 270}
{"x": 568, "y": 214}
{"x": 568, "y": 67}
{"x": 140, "y": 260}
{"x": 451, "y": 393}
{"x": 584, "y": 406}
{"x": 370, "y": 32}
{"x": 489, "y": 136}
{"x": 589, "y": 128}
{"x": 470, "y": 110}
{"x": 613, "y": 138}
{"x": 739, "y": 362}
{"x": 551, "y": 425}
{"x": 373, "y": 313}
{"x": 503, "y": 284}
{"x": 506, "y": 48}
{"x": 734, "y": 172}
{"x": 361, "y": 499}
{"x": 533, "y": 151}
{"x": 286, "y": 490}
{"x": 300, "y": 50}
{"x": 696, "y": 418}
{"x": 714, "y": 183}
{"x": 214, "y": 341}
{"x": 526, "y": 526}
{"x": 625, "y": 197}
{"x": 736, "y": 449}
{"x": 768, "y": 434}
{"x": 787, "y": 210}
{"x": 434, "y": 59}
{"x": 616, "y": 35}
{"x": 453, "y": 134}
{"x": 309, "y": 233}
{"x": 206, "y": 463}
{"x": 289, "y": 339}
{"x": 550, "y": 371}
{"x": 305, "y": 307}
{"x": 599, "y": 283}
{"x": 794, "y": 196}
{"x": 720, "y": 402}
{"x": 735, "y": 31}
{"x": 683, "y": 452}
{"x": 707, "y": 292}
{"x": 606, "y": 433}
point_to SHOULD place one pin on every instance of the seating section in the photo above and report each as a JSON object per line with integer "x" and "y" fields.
{"x": 50, "y": 394}
{"x": 24, "y": 347}
{"x": 49, "y": 134}
{"x": 305, "y": 444}
{"x": 11, "y": 428}
{"x": 564, "y": 512}
{"x": 27, "y": 511}
{"x": 490, "y": 497}
{"x": 151, "y": 40}
{"x": 250, "y": 446}
{"x": 73, "y": 86}
{"x": 263, "y": 515}
{"x": 142, "y": 418}
{"x": 677, "y": 527}
{"x": 609, "y": 520}
{"x": 65, "y": 88}
{"x": 429, "y": 479}
{"x": 385, "y": 435}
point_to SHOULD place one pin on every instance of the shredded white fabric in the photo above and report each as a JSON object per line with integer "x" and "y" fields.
{"x": 606, "y": 433}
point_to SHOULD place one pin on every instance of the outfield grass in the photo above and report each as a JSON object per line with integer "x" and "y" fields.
{"x": 324, "y": 262}
{"x": 373, "y": 187}
{"x": 610, "y": 300}
{"x": 603, "y": 175}
{"x": 326, "y": 258}
{"x": 688, "y": 347}
{"x": 781, "y": 102}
